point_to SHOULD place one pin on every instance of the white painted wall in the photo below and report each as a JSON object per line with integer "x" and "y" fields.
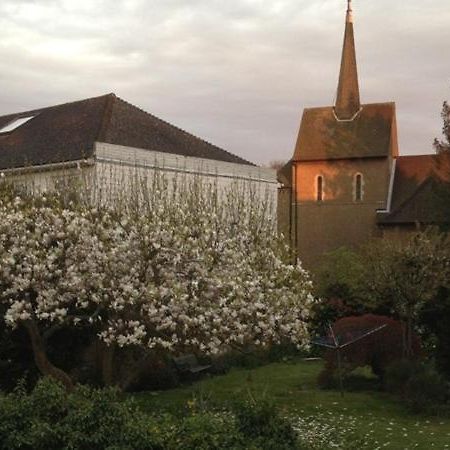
{"x": 48, "y": 177}
{"x": 116, "y": 164}
{"x": 115, "y": 169}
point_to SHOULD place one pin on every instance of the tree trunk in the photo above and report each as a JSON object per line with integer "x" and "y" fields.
{"x": 41, "y": 359}
{"x": 134, "y": 372}
{"x": 410, "y": 332}
{"x": 404, "y": 339}
{"x": 108, "y": 364}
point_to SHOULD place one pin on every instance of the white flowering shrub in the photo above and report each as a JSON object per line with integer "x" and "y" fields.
{"x": 184, "y": 268}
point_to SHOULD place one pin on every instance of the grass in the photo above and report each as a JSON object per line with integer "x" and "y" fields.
{"x": 365, "y": 414}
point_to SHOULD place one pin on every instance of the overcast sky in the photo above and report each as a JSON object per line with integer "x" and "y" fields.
{"x": 237, "y": 73}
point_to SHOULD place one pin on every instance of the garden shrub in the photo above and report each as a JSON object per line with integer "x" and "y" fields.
{"x": 434, "y": 321}
{"x": 425, "y": 390}
{"x": 376, "y": 350}
{"x": 261, "y": 422}
{"x": 86, "y": 419}
{"x": 398, "y": 374}
{"x": 206, "y": 431}
{"x": 50, "y": 418}
{"x": 252, "y": 357}
{"x": 418, "y": 384}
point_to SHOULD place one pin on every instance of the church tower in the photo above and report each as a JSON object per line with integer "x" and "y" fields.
{"x": 339, "y": 174}
{"x": 347, "y": 99}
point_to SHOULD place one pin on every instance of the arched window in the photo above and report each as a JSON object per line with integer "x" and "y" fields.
{"x": 358, "y": 188}
{"x": 319, "y": 188}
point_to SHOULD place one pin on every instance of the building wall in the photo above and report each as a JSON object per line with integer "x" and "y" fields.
{"x": 115, "y": 171}
{"x": 117, "y": 165}
{"x": 338, "y": 220}
{"x": 47, "y": 178}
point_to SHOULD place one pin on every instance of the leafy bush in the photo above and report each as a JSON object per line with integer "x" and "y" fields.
{"x": 425, "y": 390}
{"x": 261, "y": 422}
{"x": 206, "y": 431}
{"x": 397, "y": 375}
{"x": 376, "y": 350}
{"x": 434, "y": 323}
{"x": 418, "y": 384}
{"x": 337, "y": 285}
{"x": 50, "y": 418}
{"x": 256, "y": 357}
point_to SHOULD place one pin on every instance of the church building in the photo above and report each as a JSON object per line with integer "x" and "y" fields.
{"x": 346, "y": 182}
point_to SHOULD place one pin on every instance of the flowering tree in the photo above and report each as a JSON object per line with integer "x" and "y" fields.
{"x": 185, "y": 268}
{"x": 408, "y": 273}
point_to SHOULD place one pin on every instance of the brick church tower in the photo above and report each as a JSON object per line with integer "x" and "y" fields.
{"x": 340, "y": 172}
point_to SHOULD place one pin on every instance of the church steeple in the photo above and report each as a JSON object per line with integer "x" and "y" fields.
{"x": 347, "y": 100}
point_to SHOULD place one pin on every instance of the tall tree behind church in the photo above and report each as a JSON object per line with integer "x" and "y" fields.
{"x": 441, "y": 146}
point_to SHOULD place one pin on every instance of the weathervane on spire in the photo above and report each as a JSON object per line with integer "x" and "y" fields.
{"x": 349, "y": 11}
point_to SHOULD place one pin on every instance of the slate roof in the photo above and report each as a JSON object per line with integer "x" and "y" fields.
{"x": 421, "y": 191}
{"x": 371, "y": 134}
{"x": 68, "y": 132}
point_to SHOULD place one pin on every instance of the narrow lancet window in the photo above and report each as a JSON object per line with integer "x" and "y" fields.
{"x": 319, "y": 188}
{"x": 358, "y": 188}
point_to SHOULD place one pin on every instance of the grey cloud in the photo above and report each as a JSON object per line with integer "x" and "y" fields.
{"x": 237, "y": 73}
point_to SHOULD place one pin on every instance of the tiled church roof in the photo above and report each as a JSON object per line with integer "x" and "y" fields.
{"x": 370, "y": 134}
{"x": 68, "y": 132}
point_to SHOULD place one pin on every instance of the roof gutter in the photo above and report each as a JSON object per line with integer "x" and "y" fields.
{"x": 77, "y": 164}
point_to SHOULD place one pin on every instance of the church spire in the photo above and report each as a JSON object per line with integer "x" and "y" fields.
{"x": 347, "y": 100}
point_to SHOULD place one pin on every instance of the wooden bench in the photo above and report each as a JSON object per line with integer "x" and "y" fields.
{"x": 188, "y": 364}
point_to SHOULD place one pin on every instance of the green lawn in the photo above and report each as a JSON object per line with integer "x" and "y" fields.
{"x": 368, "y": 416}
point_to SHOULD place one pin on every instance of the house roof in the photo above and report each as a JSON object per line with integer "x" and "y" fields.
{"x": 370, "y": 134}
{"x": 421, "y": 190}
{"x": 69, "y": 131}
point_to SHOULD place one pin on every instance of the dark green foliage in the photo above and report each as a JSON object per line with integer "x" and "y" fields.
{"x": 418, "y": 384}
{"x": 398, "y": 374}
{"x": 426, "y": 390}
{"x": 404, "y": 279}
{"x": 337, "y": 284}
{"x": 255, "y": 357}
{"x": 49, "y": 418}
{"x": 340, "y": 287}
{"x": 206, "y": 431}
{"x": 377, "y": 350}
{"x": 261, "y": 422}
{"x": 435, "y": 320}
{"x": 339, "y": 275}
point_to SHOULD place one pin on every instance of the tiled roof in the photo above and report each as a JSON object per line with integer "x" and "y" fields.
{"x": 68, "y": 132}
{"x": 372, "y": 133}
{"x": 421, "y": 190}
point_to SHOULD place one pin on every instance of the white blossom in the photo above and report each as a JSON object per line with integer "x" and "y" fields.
{"x": 182, "y": 272}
